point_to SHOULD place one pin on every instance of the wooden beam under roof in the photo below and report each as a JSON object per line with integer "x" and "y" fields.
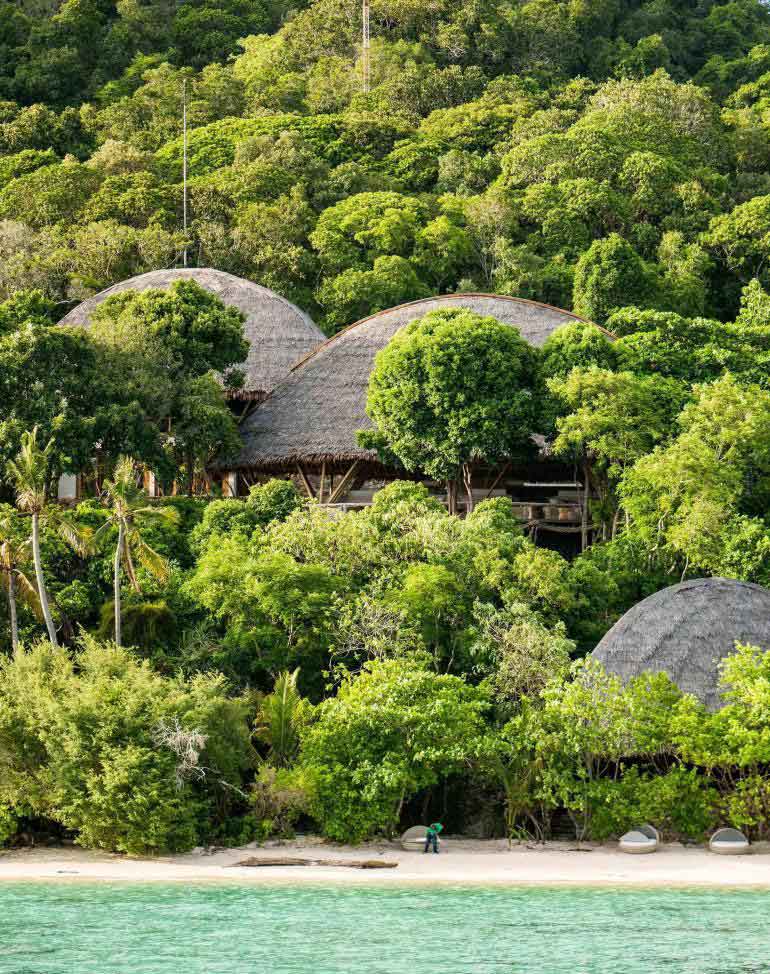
{"x": 305, "y": 482}
{"x": 344, "y": 485}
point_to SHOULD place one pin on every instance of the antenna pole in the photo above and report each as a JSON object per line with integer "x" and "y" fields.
{"x": 365, "y": 47}
{"x": 184, "y": 169}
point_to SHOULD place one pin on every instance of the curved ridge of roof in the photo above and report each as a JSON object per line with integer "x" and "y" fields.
{"x": 314, "y": 413}
{"x": 278, "y": 332}
{"x": 685, "y": 630}
{"x": 470, "y": 295}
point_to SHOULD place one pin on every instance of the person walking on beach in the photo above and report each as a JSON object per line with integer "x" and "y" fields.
{"x": 431, "y": 836}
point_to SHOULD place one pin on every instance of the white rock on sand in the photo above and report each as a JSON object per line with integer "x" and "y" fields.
{"x": 461, "y": 861}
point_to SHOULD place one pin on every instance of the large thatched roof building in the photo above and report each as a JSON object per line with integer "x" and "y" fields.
{"x": 278, "y": 333}
{"x": 685, "y": 630}
{"x": 307, "y": 427}
{"x": 313, "y": 415}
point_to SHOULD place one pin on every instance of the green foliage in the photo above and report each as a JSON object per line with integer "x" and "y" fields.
{"x": 87, "y": 747}
{"x": 611, "y": 159}
{"x": 279, "y": 797}
{"x": 50, "y": 379}
{"x": 145, "y": 626}
{"x": 703, "y": 495}
{"x": 453, "y": 389}
{"x": 681, "y": 802}
{"x": 280, "y": 719}
{"x": 156, "y": 350}
{"x": 8, "y": 825}
{"x": 391, "y": 731}
{"x": 608, "y": 275}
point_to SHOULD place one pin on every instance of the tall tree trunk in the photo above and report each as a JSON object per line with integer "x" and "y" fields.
{"x": 41, "y": 589}
{"x": 12, "y": 610}
{"x": 451, "y": 495}
{"x": 584, "y": 512}
{"x": 190, "y": 464}
{"x": 468, "y": 483}
{"x": 615, "y": 519}
{"x": 116, "y": 582}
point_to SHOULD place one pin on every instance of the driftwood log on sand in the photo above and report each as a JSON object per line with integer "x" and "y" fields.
{"x": 296, "y": 861}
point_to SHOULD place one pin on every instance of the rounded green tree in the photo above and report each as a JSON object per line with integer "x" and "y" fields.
{"x": 451, "y": 390}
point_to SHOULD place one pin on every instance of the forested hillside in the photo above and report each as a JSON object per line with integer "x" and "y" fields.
{"x": 587, "y": 154}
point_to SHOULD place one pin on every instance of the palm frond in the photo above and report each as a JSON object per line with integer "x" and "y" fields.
{"x": 27, "y": 593}
{"x": 151, "y": 560}
{"x": 169, "y": 514}
{"x": 281, "y": 717}
{"x": 29, "y": 472}
{"x": 79, "y": 537}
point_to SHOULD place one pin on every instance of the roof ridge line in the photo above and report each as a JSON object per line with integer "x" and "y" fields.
{"x": 442, "y": 297}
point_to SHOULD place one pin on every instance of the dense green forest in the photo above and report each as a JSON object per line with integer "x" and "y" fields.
{"x": 498, "y": 145}
{"x": 355, "y": 673}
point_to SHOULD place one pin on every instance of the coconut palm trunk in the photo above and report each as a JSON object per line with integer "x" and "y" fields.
{"x": 12, "y": 611}
{"x": 117, "y": 566}
{"x": 41, "y": 589}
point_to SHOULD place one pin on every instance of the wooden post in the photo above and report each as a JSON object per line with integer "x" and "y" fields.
{"x": 503, "y": 471}
{"x": 321, "y": 483}
{"x": 305, "y": 482}
{"x": 344, "y": 485}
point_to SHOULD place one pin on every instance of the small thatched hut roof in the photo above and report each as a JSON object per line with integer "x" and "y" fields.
{"x": 314, "y": 414}
{"x": 685, "y": 630}
{"x": 278, "y": 333}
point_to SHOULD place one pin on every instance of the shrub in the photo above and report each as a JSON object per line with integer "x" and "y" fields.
{"x": 279, "y": 798}
{"x": 680, "y": 803}
{"x": 272, "y": 501}
{"x": 391, "y": 731}
{"x": 145, "y": 624}
{"x": 131, "y": 761}
{"x": 8, "y": 824}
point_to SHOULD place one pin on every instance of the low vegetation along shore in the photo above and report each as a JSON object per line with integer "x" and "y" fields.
{"x": 463, "y": 861}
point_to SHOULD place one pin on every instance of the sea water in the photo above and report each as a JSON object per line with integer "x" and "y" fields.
{"x": 78, "y": 928}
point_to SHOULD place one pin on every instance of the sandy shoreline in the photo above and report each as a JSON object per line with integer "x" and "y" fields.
{"x": 461, "y": 862}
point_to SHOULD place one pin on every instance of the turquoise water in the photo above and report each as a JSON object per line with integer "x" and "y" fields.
{"x": 175, "y": 929}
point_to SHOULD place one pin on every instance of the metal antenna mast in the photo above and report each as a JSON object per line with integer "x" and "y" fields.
{"x": 365, "y": 48}
{"x": 184, "y": 169}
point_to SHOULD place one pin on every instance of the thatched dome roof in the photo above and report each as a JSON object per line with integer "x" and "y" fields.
{"x": 278, "y": 333}
{"x": 685, "y": 630}
{"x": 313, "y": 415}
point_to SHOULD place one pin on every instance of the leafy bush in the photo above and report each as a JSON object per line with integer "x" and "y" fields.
{"x": 279, "y": 797}
{"x": 390, "y": 731}
{"x": 8, "y": 824}
{"x": 681, "y": 803}
{"x": 145, "y": 626}
{"x": 131, "y": 761}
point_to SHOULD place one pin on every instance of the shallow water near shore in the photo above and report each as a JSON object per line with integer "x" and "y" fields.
{"x": 88, "y": 928}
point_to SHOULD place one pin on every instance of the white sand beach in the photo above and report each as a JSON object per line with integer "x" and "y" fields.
{"x": 461, "y": 861}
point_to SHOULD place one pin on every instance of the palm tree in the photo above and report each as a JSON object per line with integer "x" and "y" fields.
{"x": 281, "y": 717}
{"x": 14, "y": 556}
{"x": 30, "y": 473}
{"x": 128, "y": 507}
